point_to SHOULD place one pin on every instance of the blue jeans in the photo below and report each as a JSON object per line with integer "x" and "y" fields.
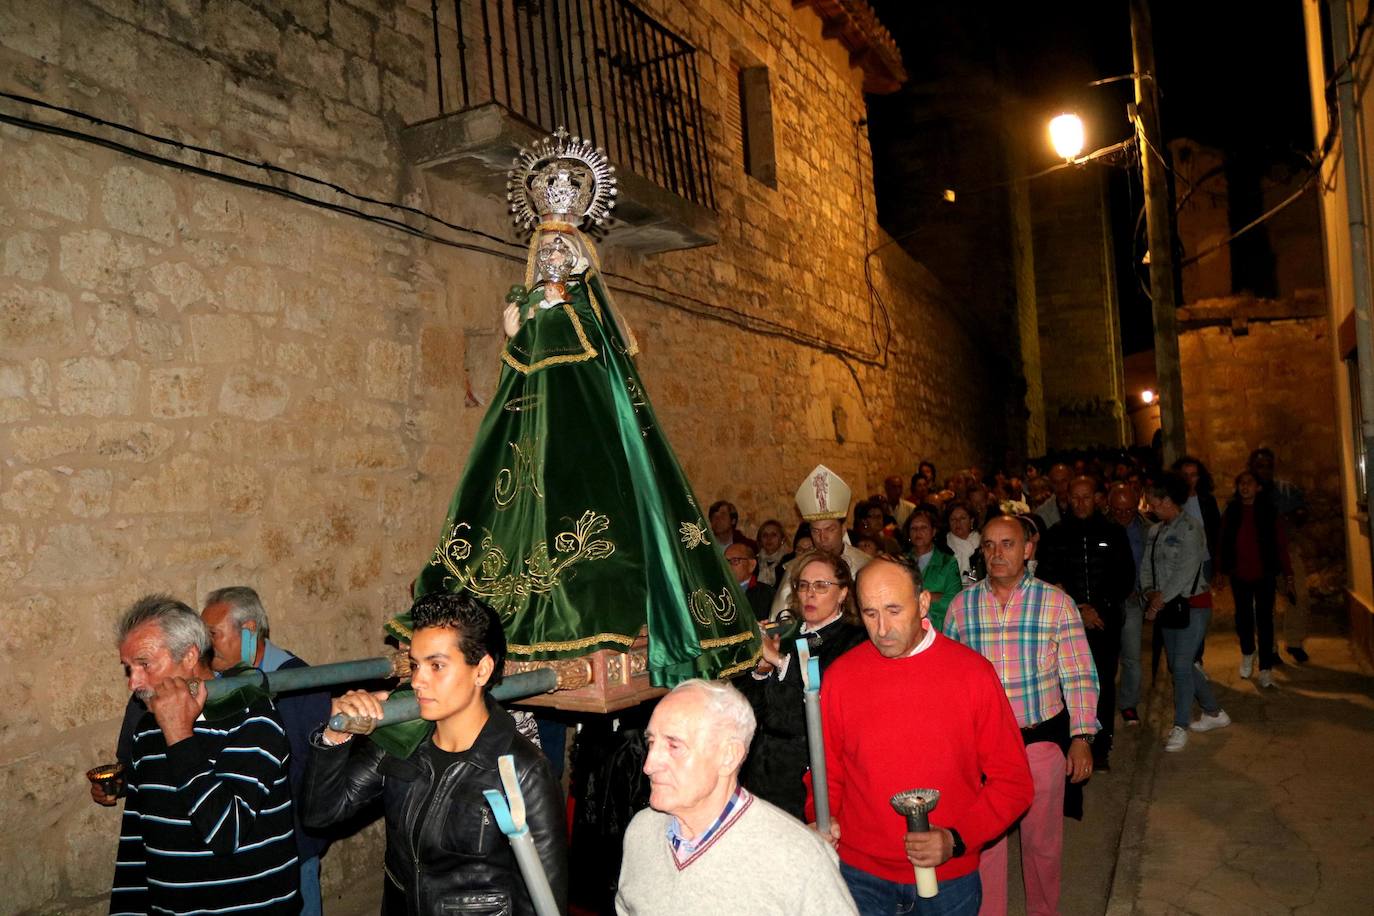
{"x": 310, "y": 887}
{"x": 1189, "y": 682}
{"x": 876, "y": 896}
{"x": 1132, "y": 622}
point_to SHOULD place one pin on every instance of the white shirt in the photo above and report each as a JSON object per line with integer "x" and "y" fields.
{"x": 963, "y": 548}
{"x": 806, "y": 628}
{"x": 926, "y": 640}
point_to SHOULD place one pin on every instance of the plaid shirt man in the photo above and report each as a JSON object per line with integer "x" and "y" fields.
{"x": 1038, "y": 647}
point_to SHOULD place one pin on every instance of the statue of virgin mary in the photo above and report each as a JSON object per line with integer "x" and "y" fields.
{"x": 573, "y": 518}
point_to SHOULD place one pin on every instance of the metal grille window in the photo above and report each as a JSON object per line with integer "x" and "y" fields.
{"x": 604, "y": 69}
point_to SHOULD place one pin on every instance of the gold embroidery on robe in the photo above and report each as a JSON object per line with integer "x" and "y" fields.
{"x": 706, "y": 608}
{"x": 487, "y": 576}
{"x": 693, "y": 534}
{"x": 524, "y": 476}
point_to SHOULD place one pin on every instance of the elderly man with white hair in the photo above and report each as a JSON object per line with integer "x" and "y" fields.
{"x": 705, "y": 844}
{"x": 208, "y": 826}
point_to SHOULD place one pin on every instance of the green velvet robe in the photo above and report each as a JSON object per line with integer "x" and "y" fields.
{"x": 573, "y": 518}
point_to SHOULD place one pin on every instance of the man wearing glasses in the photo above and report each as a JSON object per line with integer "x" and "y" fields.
{"x": 743, "y": 564}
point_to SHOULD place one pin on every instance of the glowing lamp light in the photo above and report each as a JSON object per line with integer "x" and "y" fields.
{"x": 1147, "y": 396}
{"x": 1066, "y": 134}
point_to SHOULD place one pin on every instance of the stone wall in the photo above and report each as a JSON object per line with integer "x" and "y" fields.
{"x": 1203, "y": 220}
{"x": 1075, "y": 296}
{"x": 1271, "y": 386}
{"x": 204, "y": 384}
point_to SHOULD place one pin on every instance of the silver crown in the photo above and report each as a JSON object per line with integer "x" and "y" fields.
{"x": 561, "y": 177}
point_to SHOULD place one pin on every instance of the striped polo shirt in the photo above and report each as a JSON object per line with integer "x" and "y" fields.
{"x": 207, "y": 824}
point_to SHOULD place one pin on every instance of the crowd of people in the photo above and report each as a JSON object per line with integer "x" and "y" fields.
{"x": 979, "y": 636}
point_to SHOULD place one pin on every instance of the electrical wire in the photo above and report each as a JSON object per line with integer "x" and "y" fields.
{"x": 875, "y": 298}
{"x": 1268, "y": 214}
{"x": 1317, "y": 158}
{"x": 1356, "y": 48}
{"x": 509, "y": 251}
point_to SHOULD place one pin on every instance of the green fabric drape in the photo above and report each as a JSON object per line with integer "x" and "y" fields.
{"x": 941, "y": 577}
{"x": 573, "y": 518}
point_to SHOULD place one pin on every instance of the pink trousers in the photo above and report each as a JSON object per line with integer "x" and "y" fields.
{"x": 1042, "y": 841}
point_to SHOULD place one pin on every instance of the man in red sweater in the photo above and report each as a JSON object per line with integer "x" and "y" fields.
{"x": 911, "y": 709}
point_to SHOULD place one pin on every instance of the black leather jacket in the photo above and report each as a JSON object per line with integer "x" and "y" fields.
{"x": 444, "y": 851}
{"x": 1090, "y": 559}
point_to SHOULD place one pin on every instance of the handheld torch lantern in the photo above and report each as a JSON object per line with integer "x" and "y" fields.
{"x": 915, "y": 805}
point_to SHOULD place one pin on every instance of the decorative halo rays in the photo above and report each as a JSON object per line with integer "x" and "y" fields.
{"x": 561, "y": 177}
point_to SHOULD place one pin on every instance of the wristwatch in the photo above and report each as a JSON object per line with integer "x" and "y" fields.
{"x": 1086, "y": 738}
{"x": 959, "y": 847}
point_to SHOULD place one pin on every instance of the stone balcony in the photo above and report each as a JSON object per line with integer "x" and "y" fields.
{"x": 475, "y": 148}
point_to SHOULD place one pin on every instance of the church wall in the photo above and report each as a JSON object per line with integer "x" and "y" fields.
{"x": 204, "y": 384}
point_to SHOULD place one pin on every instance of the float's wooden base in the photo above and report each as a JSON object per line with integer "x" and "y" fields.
{"x": 604, "y": 681}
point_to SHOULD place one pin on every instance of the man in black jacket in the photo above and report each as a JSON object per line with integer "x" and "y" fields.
{"x": 743, "y": 561}
{"x": 1090, "y": 558}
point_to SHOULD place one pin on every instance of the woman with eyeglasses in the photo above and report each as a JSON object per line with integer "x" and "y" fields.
{"x": 823, "y": 600}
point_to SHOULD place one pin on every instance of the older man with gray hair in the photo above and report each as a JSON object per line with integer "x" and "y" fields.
{"x": 208, "y": 824}
{"x": 705, "y": 844}
{"x": 239, "y": 630}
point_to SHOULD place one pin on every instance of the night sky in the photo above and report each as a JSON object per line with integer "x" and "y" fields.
{"x": 1232, "y": 74}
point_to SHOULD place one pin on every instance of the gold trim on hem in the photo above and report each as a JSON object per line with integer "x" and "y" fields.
{"x": 570, "y": 644}
{"x": 719, "y": 641}
{"x": 736, "y": 669}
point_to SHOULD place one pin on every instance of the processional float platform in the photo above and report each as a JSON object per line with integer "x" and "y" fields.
{"x": 607, "y": 680}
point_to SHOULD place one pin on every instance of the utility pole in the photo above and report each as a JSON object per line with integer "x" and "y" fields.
{"x": 1159, "y": 231}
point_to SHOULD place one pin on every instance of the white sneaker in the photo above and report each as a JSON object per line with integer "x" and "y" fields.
{"x": 1178, "y": 737}
{"x": 1247, "y": 664}
{"x": 1266, "y": 678}
{"x": 1206, "y": 723}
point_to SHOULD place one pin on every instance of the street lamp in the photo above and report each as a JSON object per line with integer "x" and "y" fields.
{"x": 1066, "y": 134}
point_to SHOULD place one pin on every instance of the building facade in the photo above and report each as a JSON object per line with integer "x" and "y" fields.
{"x": 1330, "y": 29}
{"x": 213, "y": 372}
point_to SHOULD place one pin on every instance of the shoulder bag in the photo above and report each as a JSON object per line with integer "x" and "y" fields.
{"x": 1177, "y": 613}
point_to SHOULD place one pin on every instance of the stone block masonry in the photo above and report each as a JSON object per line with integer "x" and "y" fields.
{"x": 1270, "y": 386}
{"x": 203, "y": 384}
{"x": 1080, "y": 341}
